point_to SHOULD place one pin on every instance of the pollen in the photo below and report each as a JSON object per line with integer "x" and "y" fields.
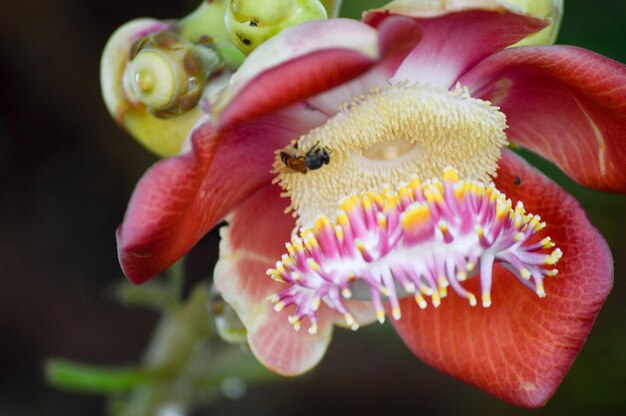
{"x": 388, "y": 135}
{"x": 402, "y": 243}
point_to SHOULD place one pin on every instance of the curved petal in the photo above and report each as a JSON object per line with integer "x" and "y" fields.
{"x": 251, "y": 244}
{"x": 308, "y": 59}
{"x": 566, "y": 104}
{"x": 520, "y": 348}
{"x": 301, "y": 61}
{"x": 398, "y": 36}
{"x": 181, "y": 198}
{"x": 456, "y": 34}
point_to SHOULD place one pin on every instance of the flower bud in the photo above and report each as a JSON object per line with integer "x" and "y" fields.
{"x": 552, "y": 9}
{"x": 168, "y": 73}
{"x": 153, "y": 74}
{"x": 252, "y": 22}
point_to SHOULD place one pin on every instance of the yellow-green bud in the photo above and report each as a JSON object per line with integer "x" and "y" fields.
{"x": 252, "y": 22}
{"x": 552, "y": 9}
{"x": 168, "y": 73}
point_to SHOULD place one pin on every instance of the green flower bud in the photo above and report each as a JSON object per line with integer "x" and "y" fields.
{"x": 552, "y": 9}
{"x": 252, "y": 22}
{"x": 168, "y": 73}
{"x": 153, "y": 74}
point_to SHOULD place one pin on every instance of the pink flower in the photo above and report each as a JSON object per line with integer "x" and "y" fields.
{"x": 564, "y": 103}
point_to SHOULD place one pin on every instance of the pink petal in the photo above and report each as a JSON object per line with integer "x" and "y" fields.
{"x": 252, "y": 243}
{"x": 312, "y": 58}
{"x": 302, "y": 61}
{"x": 521, "y": 347}
{"x": 566, "y": 104}
{"x": 181, "y": 198}
{"x": 455, "y": 36}
{"x": 398, "y": 36}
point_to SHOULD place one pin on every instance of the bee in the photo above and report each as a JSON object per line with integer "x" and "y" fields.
{"x": 313, "y": 159}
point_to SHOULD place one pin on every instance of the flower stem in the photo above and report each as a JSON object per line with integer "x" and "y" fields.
{"x": 78, "y": 377}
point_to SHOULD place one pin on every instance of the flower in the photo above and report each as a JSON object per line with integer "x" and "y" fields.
{"x": 424, "y": 68}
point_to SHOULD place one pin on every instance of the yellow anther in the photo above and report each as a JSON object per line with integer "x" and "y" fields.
{"x": 405, "y": 192}
{"x": 472, "y": 300}
{"x": 459, "y": 193}
{"x": 279, "y": 306}
{"x": 419, "y": 299}
{"x": 321, "y": 222}
{"x": 315, "y": 304}
{"x": 540, "y": 290}
{"x": 427, "y": 291}
{"x": 416, "y": 214}
{"x": 313, "y": 265}
{"x": 280, "y": 269}
{"x": 380, "y": 315}
{"x": 385, "y": 291}
{"x": 435, "y": 299}
{"x": 287, "y": 260}
{"x": 450, "y": 175}
{"x": 346, "y": 293}
{"x": 313, "y": 328}
{"x": 361, "y": 247}
{"x": 395, "y": 312}
{"x": 519, "y": 236}
{"x": 273, "y": 298}
{"x": 381, "y": 219}
{"x": 547, "y": 243}
{"x": 486, "y": 300}
{"x": 461, "y": 276}
{"x": 443, "y": 292}
{"x": 415, "y": 184}
{"x": 525, "y": 273}
{"x": 343, "y": 219}
{"x": 349, "y": 319}
{"x": 469, "y": 266}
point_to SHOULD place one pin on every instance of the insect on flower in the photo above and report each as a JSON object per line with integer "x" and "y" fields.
{"x": 313, "y": 159}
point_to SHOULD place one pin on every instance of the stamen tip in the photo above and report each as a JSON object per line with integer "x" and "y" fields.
{"x": 486, "y": 298}
{"x": 380, "y": 316}
{"x": 420, "y": 301}
{"x": 472, "y": 300}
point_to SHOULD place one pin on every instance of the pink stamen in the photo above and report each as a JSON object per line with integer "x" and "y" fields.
{"x": 420, "y": 241}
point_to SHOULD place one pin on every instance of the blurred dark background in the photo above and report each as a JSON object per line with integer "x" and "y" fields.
{"x": 67, "y": 171}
